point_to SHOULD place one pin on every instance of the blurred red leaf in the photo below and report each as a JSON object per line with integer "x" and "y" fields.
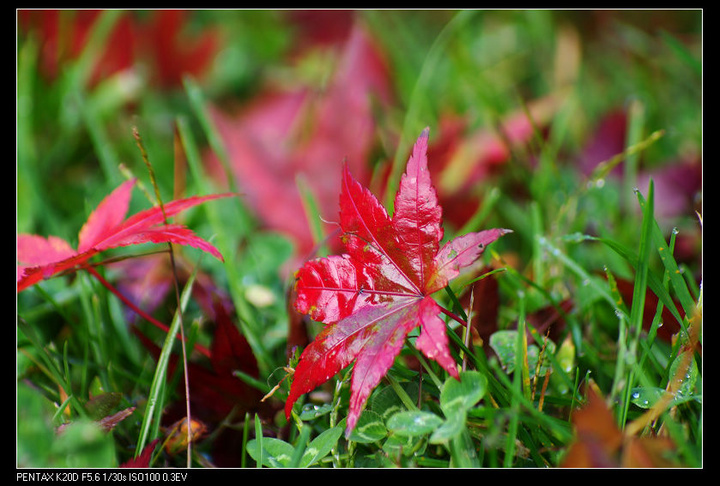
{"x": 143, "y": 460}
{"x": 319, "y": 27}
{"x": 550, "y": 320}
{"x": 287, "y": 138}
{"x": 63, "y": 35}
{"x": 373, "y": 296}
{"x": 230, "y": 351}
{"x": 678, "y": 183}
{"x": 597, "y": 437}
{"x": 669, "y": 327}
{"x": 217, "y": 396}
{"x": 214, "y": 389}
{"x": 547, "y": 321}
{"x": 599, "y": 443}
{"x": 172, "y": 52}
{"x": 146, "y": 282}
{"x": 678, "y": 186}
{"x": 161, "y": 43}
{"x": 462, "y": 158}
{"x": 485, "y": 298}
{"x": 608, "y": 140}
{"x": 106, "y": 228}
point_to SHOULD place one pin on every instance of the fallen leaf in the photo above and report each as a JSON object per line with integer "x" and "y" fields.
{"x": 143, "y": 460}
{"x": 599, "y": 443}
{"x": 171, "y": 51}
{"x": 178, "y": 435}
{"x": 108, "y": 423}
{"x": 40, "y": 258}
{"x": 301, "y": 136}
{"x": 597, "y": 438}
{"x": 372, "y": 297}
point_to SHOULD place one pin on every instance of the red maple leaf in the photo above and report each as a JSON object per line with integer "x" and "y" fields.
{"x": 373, "y": 296}
{"x": 143, "y": 460}
{"x": 40, "y": 258}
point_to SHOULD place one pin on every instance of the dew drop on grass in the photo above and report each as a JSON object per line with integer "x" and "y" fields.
{"x": 595, "y": 184}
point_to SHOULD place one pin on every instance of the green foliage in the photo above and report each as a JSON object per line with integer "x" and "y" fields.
{"x": 278, "y": 453}
{"x": 82, "y": 444}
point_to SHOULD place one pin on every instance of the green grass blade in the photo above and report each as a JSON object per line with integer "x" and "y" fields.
{"x": 300, "y": 447}
{"x": 637, "y": 309}
{"x": 577, "y": 269}
{"x": 107, "y": 156}
{"x": 197, "y": 102}
{"x": 520, "y": 385}
{"x": 642, "y": 269}
{"x": 482, "y": 213}
{"x": 411, "y": 125}
{"x": 310, "y": 205}
{"x": 226, "y": 241}
{"x": 259, "y": 440}
{"x": 682, "y": 52}
{"x": 653, "y": 281}
{"x": 153, "y": 413}
{"x": 673, "y": 271}
{"x": 48, "y": 365}
{"x": 635, "y": 126}
{"x": 94, "y": 47}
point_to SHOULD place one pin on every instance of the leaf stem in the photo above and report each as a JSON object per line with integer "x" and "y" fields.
{"x": 427, "y": 368}
{"x": 454, "y": 316}
{"x": 467, "y": 328}
{"x": 135, "y": 308}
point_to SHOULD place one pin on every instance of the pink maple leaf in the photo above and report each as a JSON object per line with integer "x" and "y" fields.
{"x": 106, "y": 227}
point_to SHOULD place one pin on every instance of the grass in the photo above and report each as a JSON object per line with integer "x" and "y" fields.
{"x": 597, "y": 239}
